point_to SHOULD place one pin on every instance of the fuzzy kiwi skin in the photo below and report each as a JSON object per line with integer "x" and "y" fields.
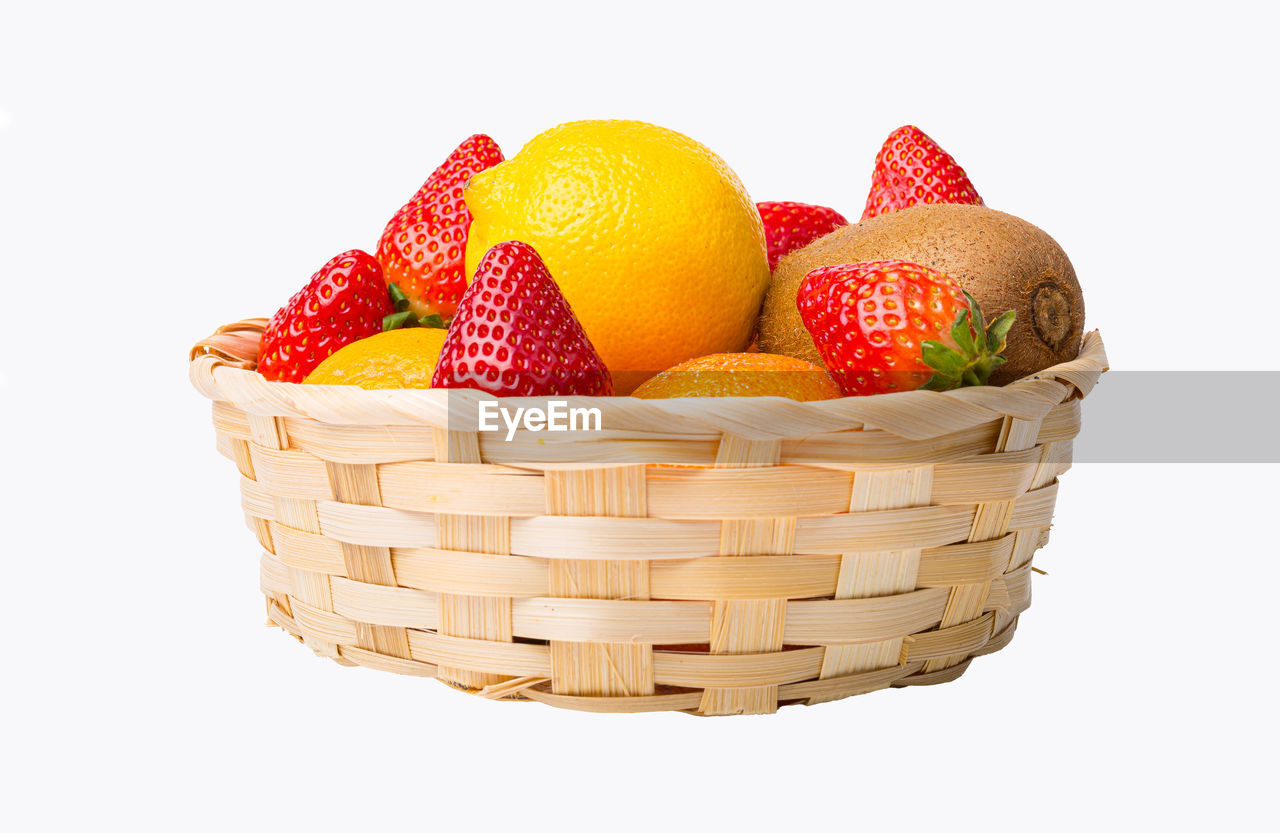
{"x": 1003, "y": 261}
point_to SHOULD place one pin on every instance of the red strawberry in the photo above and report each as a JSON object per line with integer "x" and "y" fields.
{"x": 424, "y": 245}
{"x": 792, "y": 225}
{"x": 911, "y": 169}
{"x": 515, "y": 335}
{"x": 890, "y": 325}
{"x": 344, "y": 302}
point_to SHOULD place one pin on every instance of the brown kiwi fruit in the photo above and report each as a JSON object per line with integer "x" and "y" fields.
{"x": 1003, "y": 261}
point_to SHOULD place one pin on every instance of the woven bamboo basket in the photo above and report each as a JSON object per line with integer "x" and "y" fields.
{"x": 715, "y": 556}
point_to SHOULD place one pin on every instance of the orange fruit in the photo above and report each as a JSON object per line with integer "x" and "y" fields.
{"x": 742, "y": 374}
{"x": 651, "y": 237}
{"x": 394, "y": 359}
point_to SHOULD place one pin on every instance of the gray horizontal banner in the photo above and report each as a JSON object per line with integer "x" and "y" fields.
{"x": 1181, "y": 417}
{"x": 1129, "y": 417}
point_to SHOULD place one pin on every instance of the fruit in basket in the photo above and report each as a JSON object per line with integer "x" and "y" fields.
{"x": 343, "y": 302}
{"x": 741, "y": 374}
{"x": 890, "y": 326}
{"x": 1003, "y": 261}
{"x": 792, "y": 225}
{"x": 404, "y": 358}
{"x": 912, "y": 169}
{"x": 515, "y": 334}
{"x": 423, "y": 247}
{"x": 651, "y": 237}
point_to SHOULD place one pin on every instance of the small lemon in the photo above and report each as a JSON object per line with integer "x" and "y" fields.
{"x": 742, "y": 374}
{"x": 651, "y": 237}
{"x": 394, "y": 359}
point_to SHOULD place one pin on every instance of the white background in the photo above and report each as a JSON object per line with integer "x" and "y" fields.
{"x": 166, "y": 169}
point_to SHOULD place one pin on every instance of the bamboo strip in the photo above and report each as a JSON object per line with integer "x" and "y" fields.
{"x": 843, "y": 621}
{"x": 1061, "y": 423}
{"x": 971, "y": 562}
{"x": 477, "y": 617}
{"x": 613, "y": 539}
{"x": 511, "y": 689}
{"x": 985, "y": 478}
{"x": 307, "y": 550}
{"x": 697, "y": 670}
{"x": 748, "y": 626}
{"x": 397, "y": 443}
{"x": 398, "y": 607}
{"x": 358, "y": 483}
{"x": 617, "y": 669}
{"x": 323, "y": 626}
{"x": 310, "y": 588}
{"x": 293, "y": 474}
{"x": 382, "y": 662}
{"x": 1034, "y": 510}
{"x": 859, "y": 450}
{"x": 506, "y": 659}
{"x": 1018, "y": 585}
{"x": 278, "y": 617}
{"x": 358, "y": 445}
{"x": 238, "y": 450}
{"x": 944, "y": 675}
{"x": 461, "y": 488}
{"x": 377, "y": 526}
{"x": 273, "y": 576}
{"x": 890, "y": 529}
{"x": 728, "y": 577}
{"x": 605, "y": 448}
{"x": 720, "y": 493}
{"x": 622, "y": 705}
{"x": 991, "y": 520}
{"x": 834, "y": 688}
{"x": 256, "y": 501}
{"x": 813, "y": 622}
{"x": 714, "y": 577}
{"x": 605, "y": 620}
{"x": 998, "y": 598}
{"x": 917, "y": 415}
{"x": 1055, "y": 458}
{"x": 658, "y": 538}
{"x": 878, "y": 573}
{"x": 959, "y": 639}
{"x": 677, "y": 493}
{"x": 262, "y": 531}
{"x": 472, "y": 573}
{"x": 1000, "y": 640}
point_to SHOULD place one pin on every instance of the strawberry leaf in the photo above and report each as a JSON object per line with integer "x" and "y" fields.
{"x": 961, "y": 334}
{"x": 398, "y": 299}
{"x": 998, "y": 331}
{"x": 396, "y": 320}
{"x": 943, "y": 359}
{"x": 972, "y": 360}
{"x": 433, "y": 321}
{"x": 978, "y": 324}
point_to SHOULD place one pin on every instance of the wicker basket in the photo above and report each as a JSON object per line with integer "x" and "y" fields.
{"x": 717, "y": 556}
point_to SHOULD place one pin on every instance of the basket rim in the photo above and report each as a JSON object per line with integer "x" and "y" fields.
{"x": 221, "y": 368}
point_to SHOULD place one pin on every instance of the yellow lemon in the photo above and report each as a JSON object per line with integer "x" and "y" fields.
{"x": 394, "y": 359}
{"x": 742, "y": 374}
{"x": 652, "y": 238}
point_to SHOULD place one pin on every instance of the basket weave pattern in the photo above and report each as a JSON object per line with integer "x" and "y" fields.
{"x": 707, "y": 555}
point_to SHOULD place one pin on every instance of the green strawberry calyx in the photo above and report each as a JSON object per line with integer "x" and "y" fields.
{"x": 403, "y": 316}
{"x": 976, "y": 352}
